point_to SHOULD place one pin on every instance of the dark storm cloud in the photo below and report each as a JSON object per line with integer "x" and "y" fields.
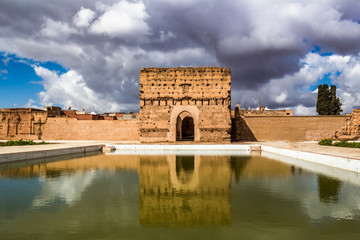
{"x": 263, "y": 42}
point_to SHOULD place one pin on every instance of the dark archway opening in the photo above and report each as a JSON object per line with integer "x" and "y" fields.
{"x": 187, "y": 129}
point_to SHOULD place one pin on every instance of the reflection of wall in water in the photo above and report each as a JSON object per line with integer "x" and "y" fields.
{"x": 328, "y": 189}
{"x": 58, "y": 168}
{"x": 185, "y": 191}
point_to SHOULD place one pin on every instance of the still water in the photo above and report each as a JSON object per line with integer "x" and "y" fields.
{"x": 177, "y": 197}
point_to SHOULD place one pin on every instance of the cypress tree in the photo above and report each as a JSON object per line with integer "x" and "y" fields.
{"x": 323, "y": 100}
{"x": 335, "y": 104}
{"x": 327, "y": 102}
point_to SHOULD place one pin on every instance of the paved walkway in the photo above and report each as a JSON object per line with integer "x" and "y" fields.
{"x": 62, "y": 146}
{"x": 16, "y": 153}
{"x": 44, "y": 147}
{"x": 313, "y": 147}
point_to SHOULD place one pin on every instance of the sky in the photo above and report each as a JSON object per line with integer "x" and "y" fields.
{"x": 87, "y": 54}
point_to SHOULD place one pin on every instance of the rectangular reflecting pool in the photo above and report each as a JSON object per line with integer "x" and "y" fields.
{"x": 177, "y": 196}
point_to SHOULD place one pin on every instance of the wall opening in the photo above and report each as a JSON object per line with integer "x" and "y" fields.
{"x": 185, "y": 129}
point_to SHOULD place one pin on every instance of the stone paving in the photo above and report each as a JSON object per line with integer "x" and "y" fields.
{"x": 19, "y": 153}
{"x": 45, "y": 147}
{"x": 314, "y": 147}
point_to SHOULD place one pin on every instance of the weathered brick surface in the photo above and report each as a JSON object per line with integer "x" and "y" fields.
{"x": 168, "y": 95}
{"x": 26, "y": 123}
{"x": 73, "y": 129}
{"x": 33, "y": 124}
{"x": 351, "y": 128}
{"x": 288, "y": 128}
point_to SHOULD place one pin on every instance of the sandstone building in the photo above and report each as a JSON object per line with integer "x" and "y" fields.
{"x": 192, "y": 104}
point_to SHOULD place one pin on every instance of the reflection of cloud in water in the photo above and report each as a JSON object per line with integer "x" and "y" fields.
{"x": 305, "y": 191}
{"x": 346, "y": 208}
{"x": 68, "y": 188}
{"x": 331, "y": 193}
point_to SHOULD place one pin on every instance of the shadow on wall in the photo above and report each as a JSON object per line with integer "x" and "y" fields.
{"x": 241, "y": 131}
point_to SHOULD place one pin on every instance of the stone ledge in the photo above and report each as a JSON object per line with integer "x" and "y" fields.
{"x": 61, "y": 150}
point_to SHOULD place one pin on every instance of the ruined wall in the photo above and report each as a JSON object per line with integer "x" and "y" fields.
{"x": 34, "y": 124}
{"x": 73, "y": 129}
{"x": 351, "y": 129}
{"x": 25, "y": 123}
{"x": 287, "y": 128}
{"x": 203, "y": 93}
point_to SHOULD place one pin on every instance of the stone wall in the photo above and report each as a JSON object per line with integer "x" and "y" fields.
{"x": 286, "y": 128}
{"x": 169, "y": 95}
{"x": 73, "y": 129}
{"x": 35, "y": 124}
{"x": 351, "y": 129}
{"x": 25, "y": 123}
{"x": 32, "y": 124}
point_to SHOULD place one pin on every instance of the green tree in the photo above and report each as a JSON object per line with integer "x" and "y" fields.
{"x": 327, "y": 102}
{"x": 335, "y": 104}
{"x": 323, "y": 100}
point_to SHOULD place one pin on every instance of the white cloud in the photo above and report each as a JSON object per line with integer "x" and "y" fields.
{"x": 70, "y": 89}
{"x": 348, "y": 81}
{"x": 107, "y": 42}
{"x": 31, "y": 104}
{"x": 294, "y": 90}
{"x": 63, "y": 52}
{"x": 56, "y": 30}
{"x": 124, "y": 19}
{"x": 281, "y": 98}
{"x": 301, "y": 110}
{"x": 83, "y": 17}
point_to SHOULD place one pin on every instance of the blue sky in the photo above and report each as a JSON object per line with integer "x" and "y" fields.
{"x": 88, "y": 54}
{"x": 19, "y": 83}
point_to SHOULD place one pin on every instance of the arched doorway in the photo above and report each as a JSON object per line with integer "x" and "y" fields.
{"x": 185, "y": 128}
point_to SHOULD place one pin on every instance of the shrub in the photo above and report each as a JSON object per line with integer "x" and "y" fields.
{"x": 21, "y": 143}
{"x": 347, "y": 144}
{"x": 342, "y": 143}
{"x": 325, "y": 142}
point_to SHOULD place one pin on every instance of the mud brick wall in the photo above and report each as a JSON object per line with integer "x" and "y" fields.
{"x": 288, "y": 128}
{"x": 169, "y": 95}
{"x": 74, "y": 129}
{"x": 25, "y": 123}
{"x": 351, "y": 129}
{"x": 33, "y": 124}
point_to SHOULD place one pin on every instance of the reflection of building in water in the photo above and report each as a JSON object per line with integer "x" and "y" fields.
{"x": 58, "y": 168}
{"x": 174, "y": 190}
{"x": 185, "y": 190}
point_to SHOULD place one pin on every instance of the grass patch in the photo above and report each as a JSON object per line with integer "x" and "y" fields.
{"x": 21, "y": 143}
{"x": 343, "y": 143}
